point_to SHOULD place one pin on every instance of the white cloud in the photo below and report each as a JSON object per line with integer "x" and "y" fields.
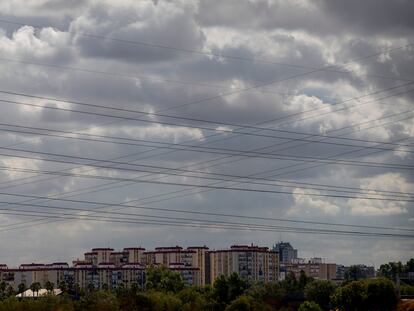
{"x": 305, "y": 204}
{"x": 385, "y": 182}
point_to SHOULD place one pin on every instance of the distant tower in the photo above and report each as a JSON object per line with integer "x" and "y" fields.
{"x": 286, "y": 251}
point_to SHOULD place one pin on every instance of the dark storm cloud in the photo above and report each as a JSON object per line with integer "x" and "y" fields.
{"x": 143, "y": 22}
{"x": 389, "y": 18}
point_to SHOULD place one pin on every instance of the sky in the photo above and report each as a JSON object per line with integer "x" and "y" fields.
{"x": 279, "y": 110}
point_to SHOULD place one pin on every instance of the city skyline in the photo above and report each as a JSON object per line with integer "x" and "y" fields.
{"x": 206, "y": 122}
{"x": 74, "y": 258}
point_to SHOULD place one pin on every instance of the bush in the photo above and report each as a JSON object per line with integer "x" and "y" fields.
{"x": 192, "y": 299}
{"x": 99, "y": 301}
{"x": 246, "y": 303}
{"x": 309, "y": 306}
{"x": 159, "y": 301}
{"x": 407, "y": 289}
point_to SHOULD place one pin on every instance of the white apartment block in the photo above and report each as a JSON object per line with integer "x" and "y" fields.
{"x": 253, "y": 263}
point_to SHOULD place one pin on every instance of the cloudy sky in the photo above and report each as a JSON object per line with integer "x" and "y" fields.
{"x": 281, "y": 110}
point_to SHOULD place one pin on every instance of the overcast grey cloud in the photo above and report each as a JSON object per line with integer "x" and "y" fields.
{"x": 342, "y": 69}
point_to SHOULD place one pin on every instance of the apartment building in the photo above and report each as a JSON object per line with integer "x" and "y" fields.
{"x": 250, "y": 262}
{"x": 107, "y": 268}
{"x": 190, "y": 262}
{"x": 315, "y": 267}
{"x": 28, "y": 274}
{"x": 108, "y": 275}
{"x": 355, "y": 272}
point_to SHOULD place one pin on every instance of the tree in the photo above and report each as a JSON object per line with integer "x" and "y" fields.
{"x": 309, "y": 306}
{"x": 320, "y": 293}
{"x": 381, "y": 295}
{"x": 350, "y": 297}
{"x": 270, "y": 293}
{"x": 391, "y": 269}
{"x": 221, "y": 289}
{"x": 191, "y": 299}
{"x": 237, "y": 286}
{"x": 226, "y": 290}
{"x": 10, "y": 290}
{"x": 354, "y": 273}
{"x": 162, "y": 301}
{"x": 163, "y": 279}
{"x": 378, "y": 294}
{"x": 91, "y": 287}
{"x": 135, "y": 288}
{"x": 3, "y": 287}
{"x": 21, "y": 287}
{"x": 35, "y": 287}
{"x": 303, "y": 280}
{"x": 63, "y": 286}
{"x": 410, "y": 265}
{"x": 49, "y": 286}
{"x": 290, "y": 284}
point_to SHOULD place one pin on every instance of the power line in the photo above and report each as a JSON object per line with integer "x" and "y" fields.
{"x": 183, "y": 184}
{"x": 175, "y": 124}
{"x": 255, "y": 174}
{"x": 148, "y": 168}
{"x": 260, "y": 226}
{"x": 329, "y": 68}
{"x": 381, "y": 197}
{"x": 282, "y": 143}
{"x": 150, "y": 114}
{"x": 207, "y": 190}
{"x": 201, "y": 225}
{"x": 139, "y": 142}
{"x": 195, "y": 148}
{"x": 179, "y": 211}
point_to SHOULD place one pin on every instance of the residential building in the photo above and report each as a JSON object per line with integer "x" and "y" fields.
{"x": 193, "y": 259}
{"x": 252, "y": 263}
{"x": 355, "y": 272}
{"x": 286, "y": 251}
{"x": 107, "y": 268}
{"x": 314, "y": 267}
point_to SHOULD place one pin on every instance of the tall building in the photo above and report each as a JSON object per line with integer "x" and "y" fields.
{"x": 190, "y": 262}
{"x": 286, "y": 251}
{"x": 252, "y": 263}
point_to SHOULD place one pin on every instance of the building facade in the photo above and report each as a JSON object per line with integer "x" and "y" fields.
{"x": 314, "y": 268}
{"x": 105, "y": 268}
{"x": 286, "y": 252}
{"x": 190, "y": 262}
{"x": 253, "y": 263}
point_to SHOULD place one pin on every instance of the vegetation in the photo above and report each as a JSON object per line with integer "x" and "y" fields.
{"x": 363, "y": 295}
{"x": 165, "y": 290}
{"x": 393, "y": 269}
